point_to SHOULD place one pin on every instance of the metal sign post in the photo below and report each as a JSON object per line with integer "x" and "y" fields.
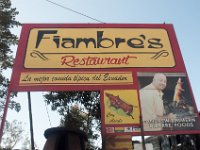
{"x": 31, "y": 121}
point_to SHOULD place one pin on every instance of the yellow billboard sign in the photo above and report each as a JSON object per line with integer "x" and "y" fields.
{"x": 98, "y": 48}
{"x": 121, "y": 107}
{"x": 118, "y": 60}
{"x": 77, "y": 78}
{"x": 122, "y": 142}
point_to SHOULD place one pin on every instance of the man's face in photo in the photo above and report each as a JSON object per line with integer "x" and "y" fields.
{"x": 160, "y": 81}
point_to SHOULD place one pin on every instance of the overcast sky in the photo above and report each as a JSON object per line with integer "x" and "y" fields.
{"x": 183, "y": 14}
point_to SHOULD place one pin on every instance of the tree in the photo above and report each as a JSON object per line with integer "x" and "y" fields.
{"x": 7, "y": 39}
{"x": 79, "y": 110}
{"x": 26, "y": 143}
{"x": 12, "y": 134}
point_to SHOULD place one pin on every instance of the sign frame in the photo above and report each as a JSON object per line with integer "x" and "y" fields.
{"x": 25, "y": 78}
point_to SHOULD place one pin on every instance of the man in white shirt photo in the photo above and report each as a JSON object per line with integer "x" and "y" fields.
{"x": 153, "y": 112}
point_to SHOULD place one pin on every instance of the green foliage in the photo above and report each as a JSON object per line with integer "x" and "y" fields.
{"x": 61, "y": 101}
{"x": 79, "y": 110}
{"x": 7, "y": 21}
{"x": 7, "y": 39}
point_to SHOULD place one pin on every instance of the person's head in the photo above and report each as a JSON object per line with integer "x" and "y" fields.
{"x": 159, "y": 81}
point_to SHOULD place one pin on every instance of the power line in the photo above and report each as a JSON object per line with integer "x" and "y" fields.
{"x": 48, "y": 114}
{"x": 74, "y": 11}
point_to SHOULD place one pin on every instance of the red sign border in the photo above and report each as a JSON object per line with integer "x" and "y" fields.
{"x": 18, "y": 65}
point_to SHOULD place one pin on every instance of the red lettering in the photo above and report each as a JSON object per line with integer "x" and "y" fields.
{"x": 67, "y": 60}
{"x": 73, "y": 61}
